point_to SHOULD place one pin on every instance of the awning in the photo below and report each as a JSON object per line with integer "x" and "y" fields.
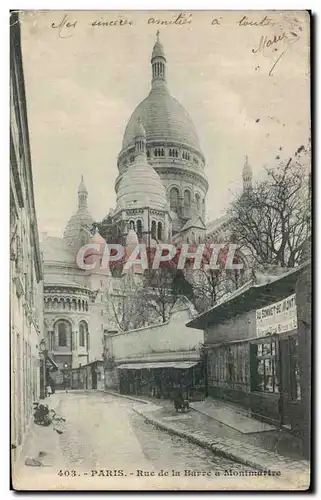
{"x": 165, "y": 364}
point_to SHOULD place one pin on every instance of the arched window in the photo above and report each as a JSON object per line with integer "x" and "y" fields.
{"x": 174, "y": 199}
{"x": 198, "y": 201}
{"x": 159, "y": 231}
{"x": 153, "y": 229}
{"x": 148, "y": 153}
{"x": 82, "y": 333}
{"x": 176, "y": 153}
{"x": 132, "y": 225}
{"x": 163, "y": 152}
{"x": 139, "y": 229}
{"x": 155, "y": 152}
{"x": 62, "y": 333}
{"x": 187, "y": 198}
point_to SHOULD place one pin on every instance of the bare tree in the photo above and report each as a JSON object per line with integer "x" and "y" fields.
{"x": 273, "y": 220}
{"x": 126, "y": 304}
{"x": 159, "y": 293}
{"x": 210, "y": 285}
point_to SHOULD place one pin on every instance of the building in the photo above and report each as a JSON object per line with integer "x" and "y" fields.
{"x": 26, "y": 272}
{"x": 160, "y": 196}
{"x": 74, "y": 299}
{"x": 157, "y": 360}
{"x": 170, "y": 146}
{"x": 254, "y": 354}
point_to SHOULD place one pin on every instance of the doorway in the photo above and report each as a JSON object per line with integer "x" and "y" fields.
{"x": 290, "y": 389}
{"x": 94, "y": 377}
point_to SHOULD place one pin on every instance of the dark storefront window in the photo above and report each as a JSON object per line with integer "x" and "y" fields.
{"x": 264, "y": 374}
{"x": 294, "y": 371}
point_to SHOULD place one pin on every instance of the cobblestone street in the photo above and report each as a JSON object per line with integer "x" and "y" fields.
{"x": 110, "y": 435}
{"x": 106, "y": 445}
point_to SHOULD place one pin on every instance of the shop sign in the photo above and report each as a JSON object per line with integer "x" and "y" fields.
{"x": 279, "y": 317}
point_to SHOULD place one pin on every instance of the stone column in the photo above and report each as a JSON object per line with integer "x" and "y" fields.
{"x": 303, "y": 299}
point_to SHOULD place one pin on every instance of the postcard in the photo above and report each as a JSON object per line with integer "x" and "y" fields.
{"x": 160, "y": 250}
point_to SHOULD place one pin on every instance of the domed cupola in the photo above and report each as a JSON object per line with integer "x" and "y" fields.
{"x": 158, "y": 50}
{"x": 162, "y": 116}
{"x": 81, "y": 219}
{"x": 172, "y": 148}
{"x": 140, "y": 185}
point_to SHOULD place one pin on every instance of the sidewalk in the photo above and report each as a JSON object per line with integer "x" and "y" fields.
{"x": 268, "y": 449}
{"x": 224, "y": 441}
{"x": 43, "y": 440}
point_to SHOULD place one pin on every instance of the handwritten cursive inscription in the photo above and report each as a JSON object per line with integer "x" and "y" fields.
{"x": 180, "y": 19}
{"x": 216, "y": 21}
{"x": 64, "y": 26}
{"x": 266, "y": 21}
{"x": 266, "y": 42}
{"x": 267, "y": 46}
{"x": 116, "y": 22}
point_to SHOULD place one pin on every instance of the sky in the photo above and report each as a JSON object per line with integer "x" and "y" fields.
{"x": 83, "y": 82}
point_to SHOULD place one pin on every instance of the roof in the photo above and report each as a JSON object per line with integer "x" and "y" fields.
{"x": 183, "y": 365}
{"x": 194, "y": 222}
{"x": 249, "y": 297}
{"x": 164, "y": 119}
{"x": 158, "y": 49}
{"x": 82, "y": 187}
{"x": 216, "y": 223}
{"x": 56, "y": 250}
{"x": 141, "y": 186}
{"x": 81, "y": 218}
{"x": 52, "y": 280}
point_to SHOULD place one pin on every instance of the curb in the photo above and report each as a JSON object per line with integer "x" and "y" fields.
{"x": 220, "y": 449}
{"x": 114, "y": 393}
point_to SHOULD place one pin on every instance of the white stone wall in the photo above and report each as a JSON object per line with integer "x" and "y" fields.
{"x": 164, "y": 339}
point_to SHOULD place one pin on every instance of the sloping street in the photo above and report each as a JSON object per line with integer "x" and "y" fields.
{"x": 106, "y": 445}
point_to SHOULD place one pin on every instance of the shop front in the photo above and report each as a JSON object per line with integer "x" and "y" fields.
{"x": 162, "y": 380}
{"x": 253, "y": 353}
{"x": 275, "y": 379}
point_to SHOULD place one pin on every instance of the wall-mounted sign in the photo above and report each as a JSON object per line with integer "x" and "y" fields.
{"x": 277, "y": 318}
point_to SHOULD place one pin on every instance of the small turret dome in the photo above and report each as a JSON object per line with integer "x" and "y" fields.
{"x": 247, "y": 170}
{"x": 141, "y": 185}
{"x": 81, "y": 219}
{"x": 158, "y": 49}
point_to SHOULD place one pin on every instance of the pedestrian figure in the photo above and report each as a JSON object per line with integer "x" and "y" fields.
{"x": 49, "y": 390}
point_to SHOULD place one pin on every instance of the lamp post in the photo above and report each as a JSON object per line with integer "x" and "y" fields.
{"x": 43, "y": 351}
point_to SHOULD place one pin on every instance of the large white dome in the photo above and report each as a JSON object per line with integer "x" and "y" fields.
{"x": 164, "y": 119}
{"x": 162, "y": 116}
{"x": 141, "y": 186}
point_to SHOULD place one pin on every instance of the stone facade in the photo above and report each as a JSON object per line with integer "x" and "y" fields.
{"x": 166, "y": 342}
{"x": 26, "y": 273}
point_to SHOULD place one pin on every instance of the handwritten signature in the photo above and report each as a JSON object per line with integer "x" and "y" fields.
{"x": 269, "y": 45}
